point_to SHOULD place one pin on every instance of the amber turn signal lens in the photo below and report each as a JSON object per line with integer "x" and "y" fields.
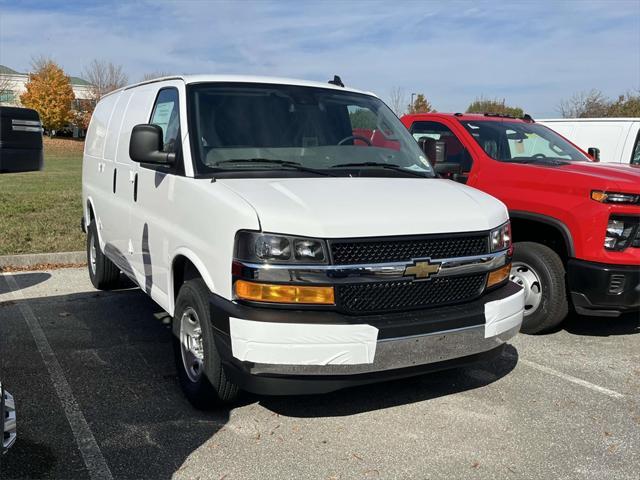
{"x": 499, "y": 275}
{"x": 266, "y": 292}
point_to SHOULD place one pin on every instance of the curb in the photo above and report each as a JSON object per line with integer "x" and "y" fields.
{"x": 32, "y": 259}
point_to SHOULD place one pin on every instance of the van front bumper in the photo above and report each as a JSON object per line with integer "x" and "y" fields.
{"x": 603, "y": 290}
{"x": 283, "y": 352}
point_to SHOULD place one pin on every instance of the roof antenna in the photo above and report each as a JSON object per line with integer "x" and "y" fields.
{"x": 336, "y": 81}
{"x": 528, "y": 118}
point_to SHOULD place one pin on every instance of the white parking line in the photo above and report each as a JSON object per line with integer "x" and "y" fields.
{"x": 572, "y": 379}
{"x": 89, "y": 449}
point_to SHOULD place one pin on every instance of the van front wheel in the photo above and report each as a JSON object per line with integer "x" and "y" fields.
{"x": 199, "y": 366}
{"x": 104, "y": 274}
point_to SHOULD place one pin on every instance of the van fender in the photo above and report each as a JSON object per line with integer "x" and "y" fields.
{"x": 200, "y": 266}
{"x": 90, "y": 206}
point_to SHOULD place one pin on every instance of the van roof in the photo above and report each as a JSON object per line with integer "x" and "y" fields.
{"x": 193, "y": 79}
{"x": 602, "y": 119}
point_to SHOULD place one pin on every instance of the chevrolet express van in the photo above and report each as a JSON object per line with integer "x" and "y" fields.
{"x": 295, "y": 232}
{"x": 609, "y": 140}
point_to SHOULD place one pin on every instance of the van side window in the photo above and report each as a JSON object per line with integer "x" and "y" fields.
{"x": 440, "y": 144}
{"x": 166, "y": 115}
{"x": 635, "y": 156}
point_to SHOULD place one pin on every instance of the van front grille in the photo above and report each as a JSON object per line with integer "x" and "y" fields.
{"x": 381, "y": 250}
{"x": 382, "y": 297}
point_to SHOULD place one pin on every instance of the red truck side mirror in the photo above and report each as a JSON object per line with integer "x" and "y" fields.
{"x": 594, "y": 153}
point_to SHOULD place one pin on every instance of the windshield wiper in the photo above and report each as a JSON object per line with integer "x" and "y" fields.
{"x": 389, "y": 166}
{"x": 542, "y": 161}
{"x": 282, "y": 163}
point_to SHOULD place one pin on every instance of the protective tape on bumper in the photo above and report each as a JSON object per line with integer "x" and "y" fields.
{"x": 302, "y": 344}
{"x": 502, "y": 315}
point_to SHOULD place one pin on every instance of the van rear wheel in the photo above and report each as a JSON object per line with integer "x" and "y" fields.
{"x": 539, "y": 270}
{"x": 104, "y": 274}
{"x": 199, "y": 366}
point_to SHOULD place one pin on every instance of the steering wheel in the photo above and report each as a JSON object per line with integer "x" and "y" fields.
{"x": 539, "y": 155}
{"x": 355, "y": 137}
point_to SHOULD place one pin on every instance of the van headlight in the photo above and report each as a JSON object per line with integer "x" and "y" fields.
{"x": 622, "y": 231}
{"x": 500, "y": 238}
{"x": 258, "y": 247}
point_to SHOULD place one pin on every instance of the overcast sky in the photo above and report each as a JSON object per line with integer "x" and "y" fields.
{"x": 531, "y": 53}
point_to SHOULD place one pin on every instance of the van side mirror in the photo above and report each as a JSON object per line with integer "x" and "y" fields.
{"x": 435, "y": 150}
{"x": 448, "y": 170}
{"x": 146, "y": 145}
{"x": 594, "y": 153}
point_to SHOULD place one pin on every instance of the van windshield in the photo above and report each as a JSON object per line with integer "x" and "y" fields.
{"x": 246, "y": 127}
{"x": 522, "y": 142}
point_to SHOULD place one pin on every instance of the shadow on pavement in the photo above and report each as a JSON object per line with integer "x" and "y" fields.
{"x": 118, "y": 360}
{"x": 628, "y": 324}
{"x": 26, "y": 280}
{"x": 394, "y": 393}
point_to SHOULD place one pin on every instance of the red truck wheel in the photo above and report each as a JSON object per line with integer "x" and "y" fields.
{"x": 539, "y": 270}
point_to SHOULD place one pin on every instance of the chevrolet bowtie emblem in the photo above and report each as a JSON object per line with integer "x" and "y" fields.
{"x": 422, "y": 270}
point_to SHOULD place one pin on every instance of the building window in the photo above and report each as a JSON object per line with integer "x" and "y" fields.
{"x": 7, "y": 96}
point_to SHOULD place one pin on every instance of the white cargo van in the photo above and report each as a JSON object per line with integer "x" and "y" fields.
{"x": 613, "y": 140}
{"x": 296, "y": 233}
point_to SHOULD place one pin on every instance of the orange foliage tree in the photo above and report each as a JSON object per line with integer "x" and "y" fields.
{"x": 49, "y": 92}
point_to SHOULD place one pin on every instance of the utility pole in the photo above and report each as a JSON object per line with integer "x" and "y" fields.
{"x": 411, "y": 106}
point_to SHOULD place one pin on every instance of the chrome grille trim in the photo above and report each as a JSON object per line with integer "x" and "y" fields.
{"x": 366, "y": 273}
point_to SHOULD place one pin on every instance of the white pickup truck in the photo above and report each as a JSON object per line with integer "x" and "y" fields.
{"x": 296, "y": 233}
{"x": 612, "y": 140}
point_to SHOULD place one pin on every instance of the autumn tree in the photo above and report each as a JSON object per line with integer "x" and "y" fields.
{"x": 499, "y": 106}
{"x": 584, "y": 105}
{"x": 420, "y": 105}
{"x": 594, "y": 104}
{"x": 49, "y": 92}
{"x": 627, "y": 105}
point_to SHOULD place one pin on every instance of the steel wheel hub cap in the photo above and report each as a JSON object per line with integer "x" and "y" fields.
{"x": 191, "y": 344}
{"x": 526, "y": 277}
{"x": 92, "y": 256}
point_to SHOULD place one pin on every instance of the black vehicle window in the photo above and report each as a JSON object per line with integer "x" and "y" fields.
{"x": 512, "y": 141}
{"x": 635, "y": 156}
{"x": 166, "y": 115}
{"x": 440, "y": 144}
{"x": 247, "y": 127}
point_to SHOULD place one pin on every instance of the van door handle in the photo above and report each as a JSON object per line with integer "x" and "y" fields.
{"x": 135, "y": 188}
{"x": 115, "y": 176}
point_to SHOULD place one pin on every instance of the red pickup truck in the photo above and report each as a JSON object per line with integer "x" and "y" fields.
{"x": 576, "y": 223}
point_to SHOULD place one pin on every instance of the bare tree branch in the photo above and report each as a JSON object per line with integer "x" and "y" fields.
{"x": 104, "y": 77}
{"x": 398, "y": 100}
{"x": 584, "y": 105}
{"x": 154, "y": 75}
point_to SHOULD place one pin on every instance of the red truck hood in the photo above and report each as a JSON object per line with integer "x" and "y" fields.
{"x": 605, "y": 176}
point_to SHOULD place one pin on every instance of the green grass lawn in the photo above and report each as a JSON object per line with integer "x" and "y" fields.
{"x": 41, "y": 211}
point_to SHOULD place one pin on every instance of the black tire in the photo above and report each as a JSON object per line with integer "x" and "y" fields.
{"x": 212, "y": 388}
{"x": 549, "y": 269}
{"x": 104, "y": 274}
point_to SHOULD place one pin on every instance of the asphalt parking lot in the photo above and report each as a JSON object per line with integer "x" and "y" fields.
{"x": 98, "y": 397}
